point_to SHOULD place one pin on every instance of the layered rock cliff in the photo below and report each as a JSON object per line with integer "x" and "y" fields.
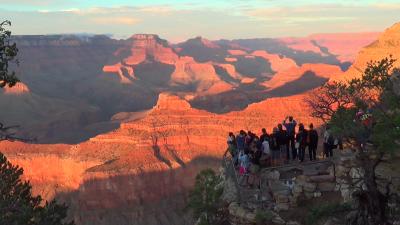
{"x": 142, "y": 171}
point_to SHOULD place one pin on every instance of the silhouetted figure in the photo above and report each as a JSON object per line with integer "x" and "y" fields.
{"x": 232, "y": 147}
{"x": 291, "y": 129}
{"x": 240, "y": 141}
{"x": 274, "y": 146}
{"x": 329, "y": 142}
{"x": 282, "y": 138}
{"x": 312, "y": 142}
{"x": 301, "y": 139}
{"x": 264, "y": 135}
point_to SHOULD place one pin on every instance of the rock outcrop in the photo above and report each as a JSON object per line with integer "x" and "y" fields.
{"x": 18, "y": 89}
{"x": 387, "y": 45}
{"x": 295, "y": 73}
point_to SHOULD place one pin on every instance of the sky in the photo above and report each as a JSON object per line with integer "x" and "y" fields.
{"x": 178, "y": 20}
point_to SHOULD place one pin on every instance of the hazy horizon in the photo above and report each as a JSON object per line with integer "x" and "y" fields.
{"x": 180, "y": 20}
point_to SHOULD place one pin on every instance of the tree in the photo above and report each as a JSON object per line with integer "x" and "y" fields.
{"x": 366, "y": 113}
{"x": 204, "y": 199}
{"x": 8, "y": 52}
{"x": 17, "y": 204}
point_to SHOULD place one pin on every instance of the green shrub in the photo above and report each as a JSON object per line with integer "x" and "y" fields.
{"x": 204, "y": 199}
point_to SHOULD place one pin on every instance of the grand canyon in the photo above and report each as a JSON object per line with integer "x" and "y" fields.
{"x": 122, "y": 127}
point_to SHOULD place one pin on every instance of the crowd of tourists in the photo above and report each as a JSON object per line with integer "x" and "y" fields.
{"x": 284, "y": 145}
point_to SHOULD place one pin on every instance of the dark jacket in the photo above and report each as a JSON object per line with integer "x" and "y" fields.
{"x": 240, "y": 140}
{"x": 263, "y": 137}
{"x": 301, "y": 137}
{"x": 273, "y": 142}
{"x": 313, "y": 139}
{"x": 282, "y": 137}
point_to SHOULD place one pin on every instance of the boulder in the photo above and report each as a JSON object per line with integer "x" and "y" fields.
{"x": 317, "y": 194}
{"x": 356, "y": 173}
{"x": 342, "y": 170}
{"x": 278, "y": 220}
{"x": 271, "y": 175}
{"x": 309, "y": 195}
{"x": 326, "y": 186}
{"x": 283, "y": 206}
{"x": 297, "y": 189}
{"x": 332, "y": 221}
{"x": 302, "y": 179}
{"x": 282, "y": 198}
{"x": 293, "y": 223}
{"x": 322, "y": 178}
{"x": 309, "y": 187}
{"x": 278, "y": 187}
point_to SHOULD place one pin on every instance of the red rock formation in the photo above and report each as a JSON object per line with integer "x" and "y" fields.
{"x": 146, "y": 161}
{"x": 19, "y": 89}
{"x": 286, "y": 76}
{"x": 278, "y": 63}
{"x": 301, "y": 44}
{"x": 387, "y": 44}
{"x": 230, "y": 69}
{"x": 237, "y": 52}
{"x": 345, "y": 45}
{"x": 141, "y": 47}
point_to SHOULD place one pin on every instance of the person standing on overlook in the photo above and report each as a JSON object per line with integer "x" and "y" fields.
{"x": 301, "y": 139}
{"x": 240, "y": 141}
{"x": 274, "y": 146}
{"x": 282, "y": 139}
{"x": 312, "y": 141}
{"x": 291, "y": 128}
{"x": 329, "y": 142}
{"x": 232, "y": 147}
{"x": 264, "y": 136}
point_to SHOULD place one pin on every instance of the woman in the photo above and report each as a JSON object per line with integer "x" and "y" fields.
{"x": 301, "y": 140}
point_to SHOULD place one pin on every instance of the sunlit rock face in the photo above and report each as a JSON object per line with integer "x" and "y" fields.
{"x": 344, "y": 45}
{"x": 143, "y": 170}
{"x": 388, "y": 44}
{"x": 294, "y": 73}
{"x": 18, "y": 89}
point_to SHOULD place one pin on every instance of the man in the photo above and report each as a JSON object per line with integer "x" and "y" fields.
{"x": 282, "y": 139}
{"x": 312, "y": 142}
{"x": 290, "y": 128}
{"x": 264, "y": 135}
{"x": 240, "y": 141}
